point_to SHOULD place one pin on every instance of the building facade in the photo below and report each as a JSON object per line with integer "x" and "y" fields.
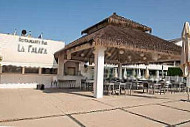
{"x": 27, "y": 61}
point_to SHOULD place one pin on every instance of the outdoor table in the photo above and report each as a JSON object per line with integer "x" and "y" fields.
{"x": 168, "y": 85}
{"x": 152, "y": 85}
{"x": 119, "y": 84}
{"x": 130, "y": 86}
{"x": 177, "y": 86}
{"x": 145, "y": 84}
{"x": 159, "y": 86}
{"x": 182, "y": 86}
{"x": 109, "y": 85}
{"x": 138, "y": 83}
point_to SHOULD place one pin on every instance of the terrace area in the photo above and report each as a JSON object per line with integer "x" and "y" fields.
{"x": 114, "y": 40}
{"x": 71, "y": 107}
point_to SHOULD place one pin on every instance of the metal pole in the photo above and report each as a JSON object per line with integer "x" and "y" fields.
{"x": 187, "y": 93}
{"x": 187, "y": 85}
{"x": 162, "y": 71}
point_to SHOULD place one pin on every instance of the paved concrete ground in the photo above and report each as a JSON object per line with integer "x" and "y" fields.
{"x": 58, "y": 107}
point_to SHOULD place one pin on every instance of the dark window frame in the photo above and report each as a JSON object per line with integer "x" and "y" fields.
{"x": 49, "y": 71}
{"x": 12, "y": 69}
{"x": 31, "y": 70}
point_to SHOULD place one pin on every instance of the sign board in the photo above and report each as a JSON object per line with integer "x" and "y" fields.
{"x": 28, "y": 51}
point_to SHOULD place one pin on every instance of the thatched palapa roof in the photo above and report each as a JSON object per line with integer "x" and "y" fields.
{"x": 119, "y": 21}
{"x": 116, "y": 33}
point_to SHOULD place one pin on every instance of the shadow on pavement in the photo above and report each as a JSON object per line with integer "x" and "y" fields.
{"x": 79, "y": 92}
{"x": 73, "y": 91}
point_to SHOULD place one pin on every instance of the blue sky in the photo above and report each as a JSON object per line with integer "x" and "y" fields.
{"x": 65, "y": 19}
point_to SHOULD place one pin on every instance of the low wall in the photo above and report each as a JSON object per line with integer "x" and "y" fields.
{"x": 63, "y": 80}
{"x": 24, "y": 80}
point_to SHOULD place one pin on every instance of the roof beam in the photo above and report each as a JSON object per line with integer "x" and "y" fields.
{"x": 89, "y": 53}
{"x": 80, "y": 48}
{"x": 114, "y": 54}
{"x": 80, "y": 58}
{"x": 111, "y": 52}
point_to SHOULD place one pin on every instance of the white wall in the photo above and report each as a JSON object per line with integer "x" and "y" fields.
{"x": 63, "y": 80}
{"x": 12, "y": 54}
{"x": 25, "y": 81}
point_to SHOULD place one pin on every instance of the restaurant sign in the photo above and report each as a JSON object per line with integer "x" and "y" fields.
{"x": 32, "y": 46}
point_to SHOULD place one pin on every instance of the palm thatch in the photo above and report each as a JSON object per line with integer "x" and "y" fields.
{"x": 119, "y": 21}
{"x": 132, "y": 39}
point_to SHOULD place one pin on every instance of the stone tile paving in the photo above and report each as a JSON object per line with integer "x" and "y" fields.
{"x": 115, "y": 118}
{"x": 181, "y": 105}
{"x": 20, "y": 104}
{"x": 184, "y": 125}
{"x": 161, "y": 113}
{"x": 58, "y": 107}
{"x": 44, "y": 122}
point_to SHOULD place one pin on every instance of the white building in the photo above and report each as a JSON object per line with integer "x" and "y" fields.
{"x": 27, "y": 61}
{"x": 177, "y": 41}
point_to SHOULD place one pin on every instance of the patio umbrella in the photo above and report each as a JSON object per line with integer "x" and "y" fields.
{"x": 162, "y": 71}
{"x": 125, "y": 73}
{"x": 108, "y": 72}
{"x": 139, "y": 73}
{"x": 185, "y": 54}
{"x": 115, "y": 73}
{"x": 157, "y": 74}
{"x": 185, "y": 57}
{"x": 133, "y": 73}
{"x": 147, "y": 73}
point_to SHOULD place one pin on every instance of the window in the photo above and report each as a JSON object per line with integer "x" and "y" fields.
{"x": 32, "y": 70}
{"x": 11, "y": 69}
{"x": 49, "y": 71}
{"x": 71, "y": 70}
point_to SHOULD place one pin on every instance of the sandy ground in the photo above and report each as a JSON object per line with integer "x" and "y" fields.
{"x": 70, "y": 108}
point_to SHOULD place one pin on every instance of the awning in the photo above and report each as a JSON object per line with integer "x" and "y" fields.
{"x": 32, "y": 65}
